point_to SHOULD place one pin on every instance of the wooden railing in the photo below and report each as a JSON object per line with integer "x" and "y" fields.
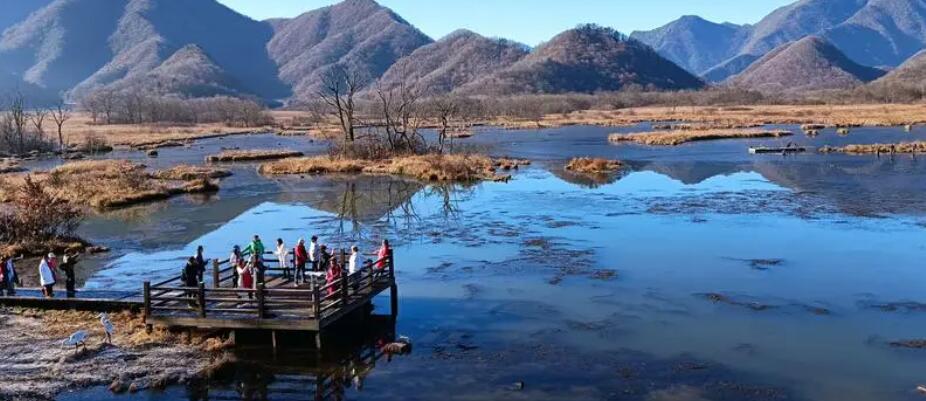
{"x": 220, "y": 299}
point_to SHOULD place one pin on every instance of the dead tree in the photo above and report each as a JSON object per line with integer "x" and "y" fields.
{"x": 401, "y": 116}
{"x": 340, "y": 87}
{"x": 60, "y": 114}
{"x": 18, "y": 119}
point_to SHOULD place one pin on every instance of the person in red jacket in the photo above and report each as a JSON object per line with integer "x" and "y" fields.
{"x": 382, "y": 254}
{"x": 333, "y": 274}
{"x": 302, "y": 257}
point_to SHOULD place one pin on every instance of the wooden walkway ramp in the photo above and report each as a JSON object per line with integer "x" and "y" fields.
{"x": 275, "y": 304}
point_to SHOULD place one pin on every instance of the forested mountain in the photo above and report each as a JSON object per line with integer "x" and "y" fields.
{"x": 811, "y": 63}
{"x": 586, "y": 59}
{"x": 69, "y": 48}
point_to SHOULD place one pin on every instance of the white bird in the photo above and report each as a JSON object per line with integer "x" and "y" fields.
{"x": 77, "y": 339}
{"x": 107, "y": 327}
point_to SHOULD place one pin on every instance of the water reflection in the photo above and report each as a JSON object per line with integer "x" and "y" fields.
{"x": 291, "y": 373}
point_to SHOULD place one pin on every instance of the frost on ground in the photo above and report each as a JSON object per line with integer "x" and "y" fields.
{"x": 36, "y": 365}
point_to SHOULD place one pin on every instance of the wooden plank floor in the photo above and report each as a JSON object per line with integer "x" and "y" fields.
{"x": 241, "y": 312}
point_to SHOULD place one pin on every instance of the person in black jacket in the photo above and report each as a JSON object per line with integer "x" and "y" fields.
{"x": 70, "y": 279}
{"x": 200, "y": 264}
{"x": 189, "y": 276}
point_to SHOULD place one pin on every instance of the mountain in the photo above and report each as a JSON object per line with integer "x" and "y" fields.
{"x": 452, "y": 62}
{"x": 694, "y": 43}
{"x": 729, "y": 68}
{"x": 912, "y": 73}
{"x": 55, "y": 48}
{"x": 808, "y": 64}
{"x": 189, "y": 71}
{"x": 798, "y": 20}
{"x": 883, "y": 33}
{"x": 358, "y": 35}
{"x": 151, "y": 31}
{"x": 586, "y": 59}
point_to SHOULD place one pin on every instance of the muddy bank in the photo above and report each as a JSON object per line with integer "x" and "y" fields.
{"x": 37, "y": 365}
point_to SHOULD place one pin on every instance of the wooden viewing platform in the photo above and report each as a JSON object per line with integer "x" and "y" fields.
{"x": 277, "y": 304}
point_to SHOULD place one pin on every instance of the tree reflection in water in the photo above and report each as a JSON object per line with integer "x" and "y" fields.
{"x": 294, "y": 373}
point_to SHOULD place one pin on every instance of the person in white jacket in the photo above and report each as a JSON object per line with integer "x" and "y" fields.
{"x": 282, "y": 256}
{"x": 47, "y": 276}
{"x": 353, "y": 264}
{"x": 313, "y": 254}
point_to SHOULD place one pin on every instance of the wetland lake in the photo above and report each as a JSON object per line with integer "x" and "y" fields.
{"x": 699, "y": 273}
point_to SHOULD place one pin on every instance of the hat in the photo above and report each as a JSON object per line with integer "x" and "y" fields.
{"x": 301, "y": 240}
{"x": 51, "y": 255}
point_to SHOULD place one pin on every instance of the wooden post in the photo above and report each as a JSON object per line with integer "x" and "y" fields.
{"x": 316, "y": 300}
{"x": 215, "y": 274}
{"x": 391, "y": 265}
{"x": 202, "y": 299}
{"x": 344, "y": 294}
{"x": 394, "y": 300}
{"x": 147, "y": 296}
{"x": 318, "y": 340}
{"x": 260, "y": 301}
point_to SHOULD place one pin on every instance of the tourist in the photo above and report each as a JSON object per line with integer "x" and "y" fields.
{"x": 47, "y": 276}
{"x": 70, "y": 280}
{"x": 282, "y": 255}
{"x": 189, "y": 275}
{"x": 3, "y": 274}
{"x": 333, "y": 275}
{"x": 323, "y": 258}
{"x": 12, "y": 279}
{"x": 246, "y": 274}
{"x": 234, "y": 260}
{"x": 313, "y": 253}
{"x": 301, "y": 258}
{"x": 382, "y": 254}
{"x": 200, "y": 264}
{"x": 256, "y": 247}
{"x": 352, "y": 264}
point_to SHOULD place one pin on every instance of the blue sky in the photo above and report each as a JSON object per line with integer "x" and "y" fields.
{"x": 532, "y": 21}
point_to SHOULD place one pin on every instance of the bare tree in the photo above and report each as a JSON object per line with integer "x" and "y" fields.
{"x": 444, "y": 109}
{"x": 37, "y": 117}
{"x": 18, "y": 119}
{"x": 340, "y": 88}
{"x": 402, "y": 116}
{"x": 60, "y": 114}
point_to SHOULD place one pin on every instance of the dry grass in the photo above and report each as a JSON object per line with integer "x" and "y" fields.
{"x": 702, "y": 126}
{"x": 422, "y": 167}
{"x": 877, "y": 148}
{"x": 672, "y": 138}
{"x": 81, "y": 126}
{"x": 507, "y": 164}
{"x": 587, "y": 165}
{"x": 186, "y": 172}
{"x": 828, "y": 115}
{"x": 252, "y": 155}
{"x": 105, "y": 184}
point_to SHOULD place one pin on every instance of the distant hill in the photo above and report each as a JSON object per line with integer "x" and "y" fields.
{"x": 452, "y": 62}
{"x": 877, "y": 33}
{"x": 586, "y": 59}
{"x": 151, "y": 31}
{"x": 808, "y": 64}
{"x": 729, "y": 68}
{"x": 883, "y": 33}
{"x": 360, "y": 35}
{"x": 695, "y": 43}
{"x": 912, "y": 73}
{"x": 56, "y": 48}
{"x": 189, "y": 71}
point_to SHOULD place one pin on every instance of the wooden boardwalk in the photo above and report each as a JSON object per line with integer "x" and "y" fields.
{"x": 276, "y": 304}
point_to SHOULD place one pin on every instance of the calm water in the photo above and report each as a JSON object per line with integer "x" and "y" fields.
{"x": 590, "y": 289}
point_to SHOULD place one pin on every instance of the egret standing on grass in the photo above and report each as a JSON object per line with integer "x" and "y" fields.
{"x": 77, "y": 339}
{"x": 107, "y": 327}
